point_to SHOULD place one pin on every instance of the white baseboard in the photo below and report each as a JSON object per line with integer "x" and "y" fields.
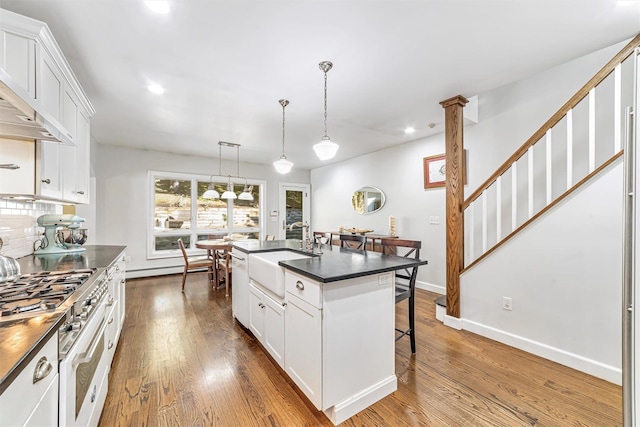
{"x": 354, "y": 404}
{"x": 452, "y": 322}
{"x": 150, "y": 272}
{"x": 575, "y": 361}
{"x": 431, "y": 287}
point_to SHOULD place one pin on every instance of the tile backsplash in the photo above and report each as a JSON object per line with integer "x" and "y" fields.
{"x": 18, "y": 228}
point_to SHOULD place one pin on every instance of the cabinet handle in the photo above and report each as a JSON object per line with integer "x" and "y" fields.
{"x": 110, "y": 321}
{"x": 46, "y": 181}
{"x": 93, "y": 393}
{"x": 111, "y": 301}
{"x": 261, "y": 305}
{"x": 300, "y": 285}
{"x": 110, "y": 346}
{"x": 11, "y": 166}
{"x": 80, "y": 192}
{"x": 43, "y": 368}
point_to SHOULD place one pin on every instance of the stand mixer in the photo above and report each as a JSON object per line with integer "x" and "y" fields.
{"x": 62, "y": 234}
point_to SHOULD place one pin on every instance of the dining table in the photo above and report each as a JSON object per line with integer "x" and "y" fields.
{"x": 217, "y": 250}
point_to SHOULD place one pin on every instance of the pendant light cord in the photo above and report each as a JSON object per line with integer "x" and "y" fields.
{"x": 283, "y": 106}
{"x": 325, "y": 103}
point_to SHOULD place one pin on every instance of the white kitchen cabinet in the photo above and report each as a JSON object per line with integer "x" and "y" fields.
{"x": 339, "y": 341}
{"x": 48, "y": 173}
{"x": 240, "y": 300}
{"x": 49, "y": 86}
{"x": 112, "y": 331}
{"x": 303, "y": 347}
{"x": 121, "y": 283}
{"x": 266, "y": 321}
{"x": 23, "y": 155}
{"x": 25, "y": 403}
{"x": 69, "y": 116}
{"x": 82, "y": 159}
{"x": 18, "y": 59}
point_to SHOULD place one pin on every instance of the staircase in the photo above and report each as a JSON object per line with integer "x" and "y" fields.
{"x": 522, "y": 281}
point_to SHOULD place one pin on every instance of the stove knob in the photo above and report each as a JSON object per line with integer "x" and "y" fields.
{"x": 75, "y": 326}
{"x": 94, "y": 301}
{"x": 83, "y": 315}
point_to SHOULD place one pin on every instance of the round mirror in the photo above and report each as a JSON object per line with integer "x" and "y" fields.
{"x": 367, "y": 200}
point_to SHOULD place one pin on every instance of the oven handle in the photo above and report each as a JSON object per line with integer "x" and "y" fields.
{"x": 88, "y": 355}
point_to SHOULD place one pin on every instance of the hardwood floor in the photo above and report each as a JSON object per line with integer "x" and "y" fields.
{"x": 183, "y": 361}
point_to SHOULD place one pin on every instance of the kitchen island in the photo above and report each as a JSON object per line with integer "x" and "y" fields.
{"x": 23, "y": 337}
{"x": 327, "y": 319}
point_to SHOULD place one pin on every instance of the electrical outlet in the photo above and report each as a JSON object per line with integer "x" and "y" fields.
{"x": 506, "y": 303}
{"x": 434, "y": 220}
{"x": 384, "y": 279}
{"x": 127, "y": 258}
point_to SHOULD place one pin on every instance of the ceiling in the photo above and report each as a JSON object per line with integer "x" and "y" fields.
{"x": 224, "y": 65}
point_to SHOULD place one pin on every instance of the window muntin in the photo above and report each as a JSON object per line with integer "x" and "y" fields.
{"x": 179, "y": 211}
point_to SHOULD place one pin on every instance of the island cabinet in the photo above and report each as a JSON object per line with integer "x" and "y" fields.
{"x": 266, "y": 321}
{"x": 338, "y": 339}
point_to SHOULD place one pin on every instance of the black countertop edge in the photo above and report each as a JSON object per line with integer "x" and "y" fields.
{"x": 336, "y": 278}
{"x": 333, "y": 264}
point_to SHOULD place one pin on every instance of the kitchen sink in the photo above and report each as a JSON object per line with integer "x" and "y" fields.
{"x": 265, "y": 271}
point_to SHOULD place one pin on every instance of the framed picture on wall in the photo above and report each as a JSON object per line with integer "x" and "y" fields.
{"x": 434, "y": 171}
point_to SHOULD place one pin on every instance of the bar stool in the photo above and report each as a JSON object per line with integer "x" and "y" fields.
{"x": 405, "y": 280}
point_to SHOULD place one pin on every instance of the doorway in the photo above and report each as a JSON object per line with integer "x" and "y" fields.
{"x": 294, "y": 207}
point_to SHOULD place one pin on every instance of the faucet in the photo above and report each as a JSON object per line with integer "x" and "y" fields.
{"x": 305, "y": 226}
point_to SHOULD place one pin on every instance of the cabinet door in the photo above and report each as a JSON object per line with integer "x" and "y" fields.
{"x": 68, "y": 171}
{"x": 274, "y": 329}
{"x": 303, "y": 347}
{"x": 46, "y": 413}
{"x": 18, "y": 57}
{"x": 256, "y": 313}
{"x": 22, "y": 154}
{"x": 48, "y": 179}
{"x": 240, "y": 300}
{"x": 82, "y": 158}
{"x": 69, "y": 117}
{"x": 50, "y": 88}
{"x": 112, "y": 331}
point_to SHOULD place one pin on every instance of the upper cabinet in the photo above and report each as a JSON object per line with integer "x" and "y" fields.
{"x": 41, "y": 100}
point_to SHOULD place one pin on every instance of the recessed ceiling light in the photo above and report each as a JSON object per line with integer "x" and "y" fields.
{"x": 409, "y": 130}
{"x": 158, "y": 6}
{"x": 155, "y": 89}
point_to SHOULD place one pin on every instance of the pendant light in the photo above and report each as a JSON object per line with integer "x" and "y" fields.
{"x": 246, "y": 192}
{"x": 325, "y": 149}
{"x": 229, "y": 194}
{"x": 283, "y": 165}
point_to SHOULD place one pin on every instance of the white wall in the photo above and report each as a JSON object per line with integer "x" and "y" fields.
{"x": 564, "y": 275}
{"x": 508, "y": 116}
{"x": 122, "y": 197}
{"x": 398, "y": 173}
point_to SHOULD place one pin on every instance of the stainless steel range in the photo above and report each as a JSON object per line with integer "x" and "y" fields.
{"x": 82, "y": 297}
{"x": 33, "y": 293}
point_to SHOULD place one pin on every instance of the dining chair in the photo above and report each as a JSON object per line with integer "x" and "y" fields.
{"x": 353, "y": 241}
{"x": 405, "y": 280}
{"x": 195, "y": 263}
{"x": 223, "y": 264}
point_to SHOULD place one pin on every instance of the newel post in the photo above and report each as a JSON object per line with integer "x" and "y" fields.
{"x": 454, "y": 155}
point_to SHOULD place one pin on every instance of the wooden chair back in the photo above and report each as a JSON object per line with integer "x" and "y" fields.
{"x": 353, "y": 241}
{"x": 192, "y": 263}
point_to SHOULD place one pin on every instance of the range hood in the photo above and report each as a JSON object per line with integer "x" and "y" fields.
{"x": 22, "y": 118}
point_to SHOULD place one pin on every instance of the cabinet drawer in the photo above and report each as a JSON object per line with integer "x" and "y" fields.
{"x": 22, "y": 397}
{"x": 305, "y": 289}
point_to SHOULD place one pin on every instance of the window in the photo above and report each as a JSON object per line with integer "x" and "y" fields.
{"x": 179, "y": 211}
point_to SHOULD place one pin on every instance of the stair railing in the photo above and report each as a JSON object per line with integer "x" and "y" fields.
{"x": 581, "y": 139}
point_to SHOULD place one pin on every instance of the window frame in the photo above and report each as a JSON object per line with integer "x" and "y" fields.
{"x": 193, "y": 233}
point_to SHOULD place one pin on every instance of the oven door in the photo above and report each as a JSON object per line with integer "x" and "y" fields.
{"x": 83, "y": 374}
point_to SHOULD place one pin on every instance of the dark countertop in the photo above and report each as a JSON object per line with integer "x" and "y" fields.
{"x": 334, "y": 264}
{"x": 22, "y": 338}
